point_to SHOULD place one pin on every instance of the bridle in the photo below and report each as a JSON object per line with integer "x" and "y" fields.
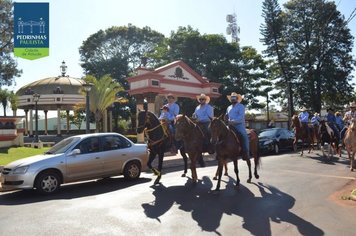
{"x": 147, "y": 131}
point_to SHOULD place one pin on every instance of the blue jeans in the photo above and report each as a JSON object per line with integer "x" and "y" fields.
{"x": 245, "y": 142}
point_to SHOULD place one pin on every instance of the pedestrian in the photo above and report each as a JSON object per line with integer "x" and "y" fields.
{"x": 235, "y": 114}
{"x": 203, "y": 114}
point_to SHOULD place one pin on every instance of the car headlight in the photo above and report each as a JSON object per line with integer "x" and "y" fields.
{"x": 21, "y": 170}
{"x": 268, "y": 142}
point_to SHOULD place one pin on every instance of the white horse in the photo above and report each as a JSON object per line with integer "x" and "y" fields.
{"x": 350, "y": 142}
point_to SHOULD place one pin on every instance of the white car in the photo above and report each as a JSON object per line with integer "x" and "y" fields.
{"x": 76, "y": 158}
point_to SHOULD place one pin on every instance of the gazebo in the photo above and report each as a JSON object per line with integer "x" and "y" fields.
{"x": 59, "y": 93}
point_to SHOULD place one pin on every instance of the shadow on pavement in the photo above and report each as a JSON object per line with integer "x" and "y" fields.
{"x": 70, "y": 191}
{"x": 207, "y": 207}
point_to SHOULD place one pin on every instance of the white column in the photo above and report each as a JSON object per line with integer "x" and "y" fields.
{"x": 31, "y": 122}
{"x": 58, "y": 121}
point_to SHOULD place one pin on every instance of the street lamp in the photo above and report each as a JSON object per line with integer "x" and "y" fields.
{"x": 36, "y": 97}
{"x": 87, "y": 88}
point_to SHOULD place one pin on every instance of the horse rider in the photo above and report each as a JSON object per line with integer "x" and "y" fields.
{"x": 166, "y": 118}
{"x": 235, "y": 115}
{"x": 331, "y": 120}
{"x": 315, "y": 120}
{"x": 349, "y": 115}
{"x": 203, "y": 114}
{"x": 304, "y": 119}
{"x": 173, "y": 109}
{"x": 339, "y": 120}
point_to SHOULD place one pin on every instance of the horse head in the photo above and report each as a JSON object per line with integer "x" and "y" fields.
{"x": 218, "y": 130}
{"x": 183, "y": 126}
{"x": 146, "y": 119}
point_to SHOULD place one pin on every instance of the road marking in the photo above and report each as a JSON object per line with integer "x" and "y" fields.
{"x": 329, "y": 176}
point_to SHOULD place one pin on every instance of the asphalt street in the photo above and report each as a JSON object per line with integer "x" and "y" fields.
{"x": 294, "y": 196}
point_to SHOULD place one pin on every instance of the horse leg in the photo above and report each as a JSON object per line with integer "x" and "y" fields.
{"x": 160, "y": 164}
{"x": 236, "y": 170}
{"x": 225, "y": 165}
{"x": 256, "y": 160}
{"x": 249, "y": 170}
{"x": 193, "y": 168}
{"x": 185, "y": 159}
{"x": 352, "y": 159}
{"x": 219, "y": 173}
{"x": 151, "y": 158}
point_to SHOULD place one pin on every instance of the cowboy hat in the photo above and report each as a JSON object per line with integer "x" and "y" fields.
{"x": 170, "y": 95}
{"x": 203, "y": 96}
{"x": 303, "y": 109}
{"x": 316, "y": 114}
{"x": 165, "y": 107}
{"x": 236, "y": 95}
{"x": 353, "y": 105}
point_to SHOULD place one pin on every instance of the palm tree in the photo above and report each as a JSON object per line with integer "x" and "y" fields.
{"x": 14, "y": 102}
{"x": 102, "y": 96}
{"x": 4, "y": 96}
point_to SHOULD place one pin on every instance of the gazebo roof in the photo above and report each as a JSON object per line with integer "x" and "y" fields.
{"x": 66, "y": 84}
{"x": 62, "y": 92}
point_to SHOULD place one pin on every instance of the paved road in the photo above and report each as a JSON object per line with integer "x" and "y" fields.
{"x": 292, "y": 197}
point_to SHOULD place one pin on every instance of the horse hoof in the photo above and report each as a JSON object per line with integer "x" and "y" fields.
{"x": 226, "y": 174}
{"x": 215, "y": 178}
{"x": 249, "y": 181}
{"x": 257, "y": 176}
{"x": 183, "y": 175}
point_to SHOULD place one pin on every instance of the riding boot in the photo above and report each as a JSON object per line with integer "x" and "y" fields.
{"x": 244, "y": 156}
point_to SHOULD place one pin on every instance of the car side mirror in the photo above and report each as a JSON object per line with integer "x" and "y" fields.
{"x": 74, "y": 152}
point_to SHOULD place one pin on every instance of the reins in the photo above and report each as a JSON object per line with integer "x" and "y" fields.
{"x": 146, "y": 131}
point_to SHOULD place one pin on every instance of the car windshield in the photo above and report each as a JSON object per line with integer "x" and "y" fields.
{"x": 62, "y": 146}
{"x": 268, "y": 133}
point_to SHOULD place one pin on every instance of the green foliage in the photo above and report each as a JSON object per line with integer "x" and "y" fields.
{"x": 8, "y": 66}
{"x": 132, "y": 137}
{"x": 312, "y": 45}
{"x": 123, "y": 126}
{"x": 4, "y": 98}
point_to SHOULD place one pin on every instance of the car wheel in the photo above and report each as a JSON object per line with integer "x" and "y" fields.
{"x": 276, "y": 148}
{"x": 47, "y": 182}
{"x": 132, "y": 170}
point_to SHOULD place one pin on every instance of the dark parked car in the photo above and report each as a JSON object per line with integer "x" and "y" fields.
{"x": 276, "y": 139}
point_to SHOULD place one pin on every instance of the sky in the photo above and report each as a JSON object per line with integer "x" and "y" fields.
{"x": 73, "y": 21}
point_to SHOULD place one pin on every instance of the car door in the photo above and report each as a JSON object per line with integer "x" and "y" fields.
{"x": 116, "y": 150}
{"x": 88, "y": 163}
{"x": 283, "y": 139}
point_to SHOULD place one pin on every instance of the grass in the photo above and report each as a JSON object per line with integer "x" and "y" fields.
{"x": 8, "y": 155}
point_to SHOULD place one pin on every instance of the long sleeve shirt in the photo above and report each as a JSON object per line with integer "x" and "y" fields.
{"x": 236, "y": 114}
{"x": 173, "y": 109}
{"x": 204, "y": 113}
{"x": 304, "y": 117}
{"x": 165, "y": 115}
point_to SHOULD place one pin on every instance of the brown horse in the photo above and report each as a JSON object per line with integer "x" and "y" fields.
{"x": 301, "y": 134}
{"x": 350, "y": 142}
{"x": 228, "y": 146}
{"x": 193, "y": 141}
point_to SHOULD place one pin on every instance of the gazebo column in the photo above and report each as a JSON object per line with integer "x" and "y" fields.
{"x": 46, "y": 122}
{"x": 59, "y": 121}
{"x": 26, "y": 122}
{"x": 68, "y": 127}
{"x": 31, "y": 123}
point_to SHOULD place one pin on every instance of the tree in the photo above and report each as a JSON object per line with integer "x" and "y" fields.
{"x": 102, "y": 95}
{"x": 76, "y": 119}
{"x": 14, "y": 102}
{"x": 4, "y": 96}
{"x": 315, "y": 36}
{"x": 8, "y": 66}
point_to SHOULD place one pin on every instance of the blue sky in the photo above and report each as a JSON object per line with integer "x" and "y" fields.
{"x": 73, "y": 21}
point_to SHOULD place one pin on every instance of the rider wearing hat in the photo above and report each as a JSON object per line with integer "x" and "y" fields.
{"x": 349, "y": 115}
{"x": 304, "y": 119}
{"x": 331, "y": 119}
{"x": 235, "y": 115}
{"x": 203, "y": 114}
